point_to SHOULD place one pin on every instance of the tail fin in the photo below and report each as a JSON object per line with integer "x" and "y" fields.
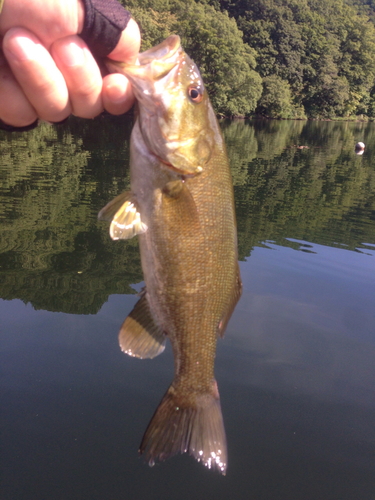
{"x": 197, "y": 429}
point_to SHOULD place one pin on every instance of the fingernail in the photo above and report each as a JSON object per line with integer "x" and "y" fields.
{"x": 22, "y": 48}
{"x": 71, "y": 55}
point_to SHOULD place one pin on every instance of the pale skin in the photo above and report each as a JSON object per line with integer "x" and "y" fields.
{"x": 46, "y": 69}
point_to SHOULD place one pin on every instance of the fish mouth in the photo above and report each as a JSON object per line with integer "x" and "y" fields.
{"x": 152, "y": 65}
{"x": 155, "y": 71}
{"x": 162, "y": 52}
{"x": 181, "y": 172}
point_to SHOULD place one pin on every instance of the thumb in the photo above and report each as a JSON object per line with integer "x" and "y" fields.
{"x": 128, "y": 46}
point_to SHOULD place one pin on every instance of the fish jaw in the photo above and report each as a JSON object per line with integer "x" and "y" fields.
{"x": 152, "y": 67}
{"x": 173, "y": 106}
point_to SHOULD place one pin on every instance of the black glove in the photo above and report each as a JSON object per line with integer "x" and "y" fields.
{"x": 104, "y": 22}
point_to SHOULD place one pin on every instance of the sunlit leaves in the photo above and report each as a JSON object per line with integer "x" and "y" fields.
{"x": 322, "y": 50}
{"x": 213, "y": 41}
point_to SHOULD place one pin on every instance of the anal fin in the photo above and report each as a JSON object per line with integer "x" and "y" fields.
{"x": 139, "y": 335}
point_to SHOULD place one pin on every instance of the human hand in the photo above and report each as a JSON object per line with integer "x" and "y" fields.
{"x": 47, "y": 70}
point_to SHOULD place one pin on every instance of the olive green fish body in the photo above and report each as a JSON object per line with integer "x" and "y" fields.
{"x": 190, "y": 266}
{"x": 182, "y": 207}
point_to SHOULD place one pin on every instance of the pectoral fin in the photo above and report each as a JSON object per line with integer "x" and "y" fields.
{"x": 109, "y": 211}
{"x": 139, "y": 335}
{"x": 125, "y": 217}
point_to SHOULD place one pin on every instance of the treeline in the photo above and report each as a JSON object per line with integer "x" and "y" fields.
{"x": 275, "y": 58}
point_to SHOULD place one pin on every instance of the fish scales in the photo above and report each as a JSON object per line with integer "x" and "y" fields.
{"x": 181, "y": 205}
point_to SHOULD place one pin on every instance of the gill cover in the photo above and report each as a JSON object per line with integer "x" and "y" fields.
{"x": 173, "y": 106}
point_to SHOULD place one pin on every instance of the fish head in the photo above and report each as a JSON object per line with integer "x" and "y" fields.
{"x": 174, "y": 108}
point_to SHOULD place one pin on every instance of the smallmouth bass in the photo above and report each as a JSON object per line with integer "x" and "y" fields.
{"x": 181, "y": 205}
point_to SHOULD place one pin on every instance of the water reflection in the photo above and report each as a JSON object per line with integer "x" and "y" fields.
{"x": 295, "y": 370}
{"x": 54, "y": 254}
{"x": 323, "y": 194}
{"x": 313, "y": 322}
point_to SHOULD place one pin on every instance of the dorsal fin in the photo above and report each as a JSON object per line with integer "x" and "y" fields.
{"x": 231, "y": 305}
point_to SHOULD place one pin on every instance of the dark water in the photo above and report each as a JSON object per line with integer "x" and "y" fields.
{"x": 296, "y": 370}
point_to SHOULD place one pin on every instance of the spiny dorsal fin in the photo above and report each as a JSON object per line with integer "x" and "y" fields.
{"x": 139, "y": 335}
{"x": 125, "y": 217}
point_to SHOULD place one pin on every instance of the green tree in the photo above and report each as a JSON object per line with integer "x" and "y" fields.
{"x": 213, "y": 40}
{"x": 155, "y": 19}
{"x": 324, "y": 49}
{"x": 226, "y": 63}
{"x": 276, "y": 98}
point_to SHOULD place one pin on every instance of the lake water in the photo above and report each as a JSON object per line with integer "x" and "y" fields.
{"x": 296, "y": 369}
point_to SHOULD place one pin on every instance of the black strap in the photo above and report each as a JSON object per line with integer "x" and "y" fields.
{"x": 104, "y": 22}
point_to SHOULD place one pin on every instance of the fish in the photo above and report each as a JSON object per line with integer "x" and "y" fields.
{"x": 181, "y": 204}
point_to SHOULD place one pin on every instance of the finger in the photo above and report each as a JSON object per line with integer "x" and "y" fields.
{"x": 117, "y": 94}
{"x": 15, "y": 109}
{"x": 47, "y": 19}
{"x": 82, "y": 75}
{"x": 128, "y": 46}
{"x": 37, "y": 74}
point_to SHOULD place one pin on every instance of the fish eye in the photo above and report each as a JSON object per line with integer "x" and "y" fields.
{"x": 195, "y": 94}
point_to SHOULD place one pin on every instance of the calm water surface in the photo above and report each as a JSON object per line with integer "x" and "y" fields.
{"x": 296, "y": 369}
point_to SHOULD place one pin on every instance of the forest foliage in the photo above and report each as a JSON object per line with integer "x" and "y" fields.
{"x": 275, "y": 58}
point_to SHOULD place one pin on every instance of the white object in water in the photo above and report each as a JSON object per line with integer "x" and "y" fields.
{"x": 360, "y": 148}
